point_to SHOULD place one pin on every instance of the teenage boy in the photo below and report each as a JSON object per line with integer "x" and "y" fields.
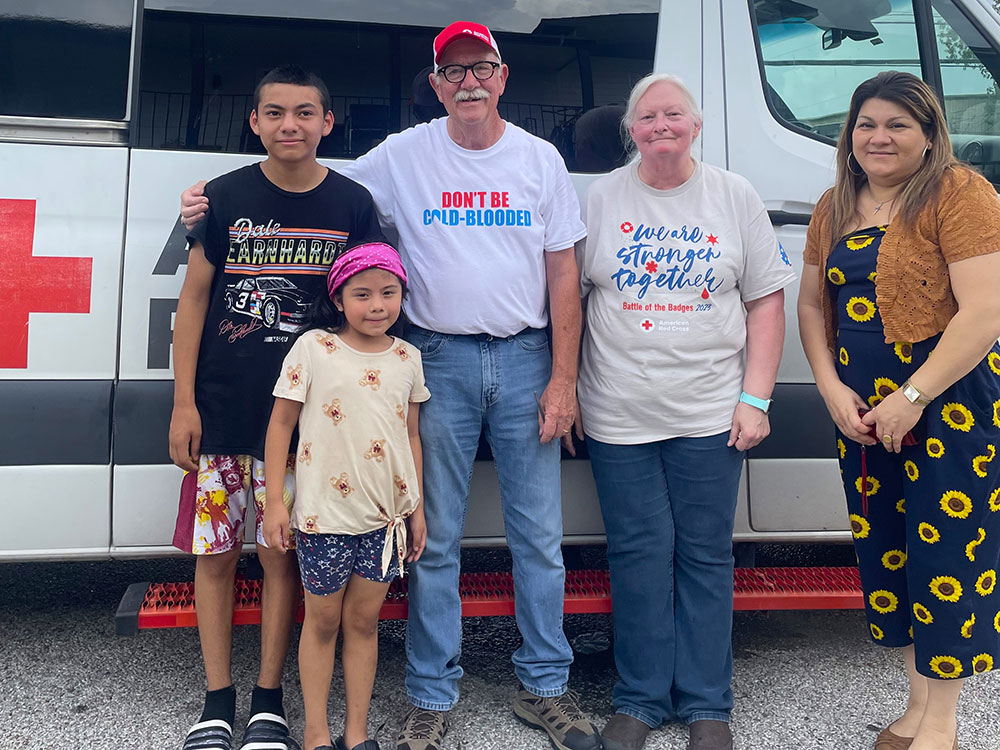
{"x": 255, "y": 266}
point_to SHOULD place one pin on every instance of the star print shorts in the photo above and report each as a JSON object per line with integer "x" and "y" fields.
{"x": 211, "y": 517}
{"x": 326, "y": 561}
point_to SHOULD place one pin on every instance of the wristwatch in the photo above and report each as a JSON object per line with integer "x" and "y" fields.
{"x": 764, "y": 404}
{"x": 914, "y": 396}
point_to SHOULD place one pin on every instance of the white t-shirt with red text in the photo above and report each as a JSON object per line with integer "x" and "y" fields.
{"x": 473, "y": 224}
{"x": 665, "y": 274}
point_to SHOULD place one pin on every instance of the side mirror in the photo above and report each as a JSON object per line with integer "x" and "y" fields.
{"x": 832, "y": 38}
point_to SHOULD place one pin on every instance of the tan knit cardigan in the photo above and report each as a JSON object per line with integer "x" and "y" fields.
{"x": 912, "y": 287}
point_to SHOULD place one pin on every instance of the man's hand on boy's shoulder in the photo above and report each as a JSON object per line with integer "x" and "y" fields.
{"x": 194, "y": 205}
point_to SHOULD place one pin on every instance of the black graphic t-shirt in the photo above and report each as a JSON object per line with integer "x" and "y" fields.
{"x": 272, "y": 250}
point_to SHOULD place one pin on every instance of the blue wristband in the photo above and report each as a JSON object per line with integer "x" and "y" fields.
{"x": 761, "y": 403}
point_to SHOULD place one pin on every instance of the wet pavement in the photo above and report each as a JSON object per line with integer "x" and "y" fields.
{"x": 802, "y": 679}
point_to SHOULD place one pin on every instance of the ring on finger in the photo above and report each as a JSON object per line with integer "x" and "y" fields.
{"x": 887, "y": 439}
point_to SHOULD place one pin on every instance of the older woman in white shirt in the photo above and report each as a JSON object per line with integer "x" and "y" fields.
{"x": 683, "y": 278}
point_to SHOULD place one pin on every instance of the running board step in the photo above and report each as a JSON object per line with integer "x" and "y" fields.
{"x": 171, "y": 605}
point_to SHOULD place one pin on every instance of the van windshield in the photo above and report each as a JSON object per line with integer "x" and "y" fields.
{"x": 816, "y": 53}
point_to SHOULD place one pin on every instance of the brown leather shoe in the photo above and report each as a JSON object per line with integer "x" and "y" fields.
{"x": 624, "y": 732}
{"x": 707, "y": 734}
{"x": 886, "y": 740}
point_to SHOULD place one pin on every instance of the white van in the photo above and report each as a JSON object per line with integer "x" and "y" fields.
{"x": 108, "y": 110}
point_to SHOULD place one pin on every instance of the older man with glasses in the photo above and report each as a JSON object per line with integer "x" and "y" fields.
{"x": 487, "y": 219}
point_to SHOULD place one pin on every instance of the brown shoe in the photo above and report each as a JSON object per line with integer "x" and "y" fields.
{"x": 559, "y": 717}
{"x": 708, "y": 734}
{"x": 422, "y": 729}
{"x": 886, "y": 740}
{"x": 624, "y": 732}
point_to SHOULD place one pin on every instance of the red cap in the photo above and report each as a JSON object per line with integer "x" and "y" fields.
{"x": 459, "y": 30}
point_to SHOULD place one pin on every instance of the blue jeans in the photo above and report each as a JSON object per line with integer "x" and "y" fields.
{"x": 668, "y": 511}
{"x": 479, "y": 382}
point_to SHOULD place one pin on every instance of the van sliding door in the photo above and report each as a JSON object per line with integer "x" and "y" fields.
{"x": 571, "y": 69}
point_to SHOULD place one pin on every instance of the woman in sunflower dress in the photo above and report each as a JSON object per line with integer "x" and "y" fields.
{"x": 899, "y": 317}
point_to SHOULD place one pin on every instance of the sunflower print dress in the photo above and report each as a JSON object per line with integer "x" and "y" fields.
{"x": 929, "y": 545}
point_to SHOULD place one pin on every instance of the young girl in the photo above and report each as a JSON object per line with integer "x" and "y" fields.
{"x": 353, "y": 389}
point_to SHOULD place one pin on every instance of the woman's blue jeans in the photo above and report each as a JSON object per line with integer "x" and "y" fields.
{"x": 668, "y": 510}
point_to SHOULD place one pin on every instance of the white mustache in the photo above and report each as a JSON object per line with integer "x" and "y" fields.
{"x": 470, "y": 95}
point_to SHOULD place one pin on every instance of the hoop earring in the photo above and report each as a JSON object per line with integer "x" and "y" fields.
{"x": 926, "y": 149}
{"x": 856, "y": 174}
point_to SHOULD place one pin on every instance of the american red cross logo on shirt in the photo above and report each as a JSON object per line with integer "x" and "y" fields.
{"x": 647, "y": 324}
{"x": 33, "y": 284}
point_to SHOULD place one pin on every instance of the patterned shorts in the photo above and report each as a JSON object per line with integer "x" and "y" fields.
{"x": 326, "y": 561}
{"x": 213, "y": 504}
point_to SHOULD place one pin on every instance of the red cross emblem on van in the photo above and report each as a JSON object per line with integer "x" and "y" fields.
{"x": 29, "y": 283}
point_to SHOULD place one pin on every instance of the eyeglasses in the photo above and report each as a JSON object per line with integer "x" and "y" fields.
{"x": 482, "y": 70}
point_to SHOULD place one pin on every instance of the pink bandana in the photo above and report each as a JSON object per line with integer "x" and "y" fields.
{"x": 361, "y": 258}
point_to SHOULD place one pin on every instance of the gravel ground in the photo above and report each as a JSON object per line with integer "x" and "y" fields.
{"x": 802, "y": 679}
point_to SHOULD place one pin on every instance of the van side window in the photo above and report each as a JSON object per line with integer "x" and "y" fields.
{"x": 65, "y": 58}
{"x": 813, "y": 59}
{"x": 813, "y": 63}
{"x": 198, "y": 71}
{"x": 969, "y": 71}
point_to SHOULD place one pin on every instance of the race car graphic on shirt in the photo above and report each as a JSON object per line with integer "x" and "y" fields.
{"x": 273, "y": 300}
